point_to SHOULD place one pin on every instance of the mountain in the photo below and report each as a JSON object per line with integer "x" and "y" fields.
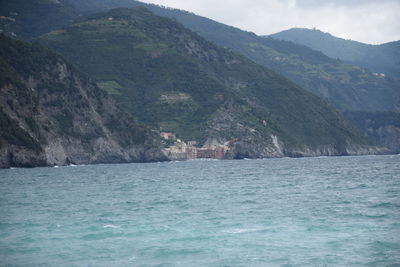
{"x": 169, "y": 77}
{"x": 27, "y": 19}
{"x": 325, "y": 77}
{"x": 346, "y": 87}
{"x": 378, "y": 123}
{"x": 52, "y": 115}
{"x": 384, "y": 58}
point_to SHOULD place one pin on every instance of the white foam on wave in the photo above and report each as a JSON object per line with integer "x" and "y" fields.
{"x": 174, "y": 161}
{"x": 76, "y": 165}
{"x": 240, "y": 231}
{"x": 205, "y": 159}
{"x": 111, "y": 226}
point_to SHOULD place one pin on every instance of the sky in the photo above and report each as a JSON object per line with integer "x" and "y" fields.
{"x": 367, "y": 21}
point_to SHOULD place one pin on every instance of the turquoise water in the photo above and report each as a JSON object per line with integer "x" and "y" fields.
{"x": 338, "y": 211}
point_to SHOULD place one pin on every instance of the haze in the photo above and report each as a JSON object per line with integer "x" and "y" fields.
{"x": 367, "y": 21}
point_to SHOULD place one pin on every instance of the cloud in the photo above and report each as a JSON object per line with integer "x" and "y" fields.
{"x": 369, "y": 21}
{"x": 317, "y": 3}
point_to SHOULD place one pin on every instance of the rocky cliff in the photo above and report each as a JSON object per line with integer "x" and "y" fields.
{"x": 250, "y": 137}
{"x": 52, "y": 115}
{"x": 382, "y": 127}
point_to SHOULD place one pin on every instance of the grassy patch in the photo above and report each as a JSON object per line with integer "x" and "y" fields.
{"x": 111, "y": 87}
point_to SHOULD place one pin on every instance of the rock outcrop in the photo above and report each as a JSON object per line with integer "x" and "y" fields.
{"x": 381, "y": 127}
{"x": 52, "y": 115}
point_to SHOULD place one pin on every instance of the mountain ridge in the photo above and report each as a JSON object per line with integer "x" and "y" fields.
{"x": 187, "y": 85}
{"x": 273, "y": 55}
{"x": 382, "y": 58}
{"x": 345, "y": 87}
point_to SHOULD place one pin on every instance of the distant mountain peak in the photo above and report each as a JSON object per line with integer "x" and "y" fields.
{"x": 384, "y": 58}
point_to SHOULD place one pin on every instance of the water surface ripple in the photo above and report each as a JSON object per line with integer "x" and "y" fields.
{"x": 336, "y": 211}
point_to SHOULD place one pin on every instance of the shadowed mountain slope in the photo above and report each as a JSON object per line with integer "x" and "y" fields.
{"x": 27, "y": 19}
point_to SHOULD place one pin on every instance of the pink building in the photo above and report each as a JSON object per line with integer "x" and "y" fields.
{"x": 219, "y": 153}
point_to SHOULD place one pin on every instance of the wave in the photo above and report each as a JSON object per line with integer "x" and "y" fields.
{"x": 101, "y": 235}
{"x": 384, "y": 205}
{"x": 240, "y": 231}
{"x": 111, "y": 226}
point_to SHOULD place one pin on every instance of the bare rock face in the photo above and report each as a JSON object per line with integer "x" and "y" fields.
{"x": 241, "y": 150}
{"x": 388, "y": 136}
{"x": 249, "y": 137}
{"x": 13, "y": 156}
{"x": 52, "y": 115}
{"x": 329, "y": 150}
{"x": 381, "y": 127}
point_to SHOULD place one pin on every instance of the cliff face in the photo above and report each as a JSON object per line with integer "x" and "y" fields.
{"x": 256, "y": 140}
{"x": 383, "y": 127}
{"x": 388, "y": 136}
{"x": 52, "y": 115}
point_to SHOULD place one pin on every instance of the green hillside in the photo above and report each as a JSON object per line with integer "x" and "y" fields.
{"x": 344, "y": 86}
{"x": 27, "y": 19}
{"x": 384, "y": 58}
{"x": 52, "y": 115}
{"x": 169, "y": 77}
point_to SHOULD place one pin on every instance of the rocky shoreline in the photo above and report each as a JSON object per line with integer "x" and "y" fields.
{"x": 27, "y": 159}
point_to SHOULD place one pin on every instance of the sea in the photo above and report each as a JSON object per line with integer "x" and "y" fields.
{"x": 326, "y": 211}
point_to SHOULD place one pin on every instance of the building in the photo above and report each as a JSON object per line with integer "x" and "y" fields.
{"x": 191, "y": 152}
{"x": 212, "y": 149}
{"x": 167, "y": 136}
{"x": 220, "y": 152}
{"x": 205, "y": 153}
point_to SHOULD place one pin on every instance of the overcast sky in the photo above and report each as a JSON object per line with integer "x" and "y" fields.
{"x": 368, "y": 21}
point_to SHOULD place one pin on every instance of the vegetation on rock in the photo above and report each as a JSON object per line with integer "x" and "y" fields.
{"x": 53, "y": 113}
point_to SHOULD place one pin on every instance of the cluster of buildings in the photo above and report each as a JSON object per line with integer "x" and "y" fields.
{"x": 181, "y": 150}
